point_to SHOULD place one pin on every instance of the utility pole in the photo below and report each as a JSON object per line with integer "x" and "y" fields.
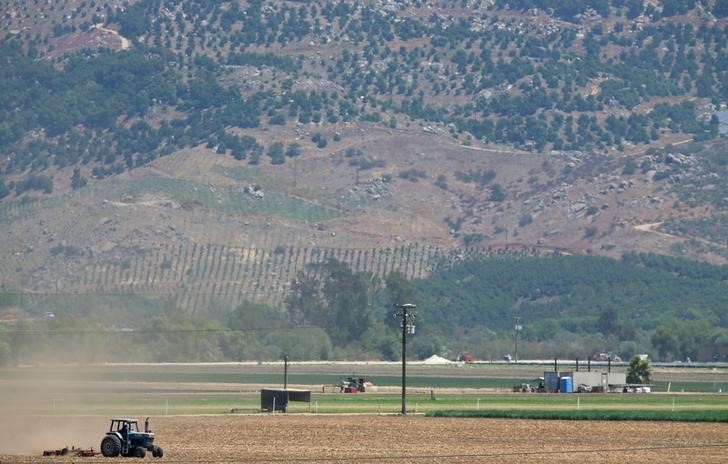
{"x": 408, "y": 327}
{"x": 285, "y": 372}
{"x": 516, "y": 328}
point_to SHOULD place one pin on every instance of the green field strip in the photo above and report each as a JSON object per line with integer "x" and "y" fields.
{"x": 688, "y": 386}
{"x": 434, "y": 381}
{"x": 713, "y": 408}
{"x": 605, "y": 415}
{"x": 230, "y": 199}
{"x": 299, "y": 379}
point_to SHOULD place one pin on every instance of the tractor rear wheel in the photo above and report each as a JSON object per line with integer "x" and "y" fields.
{"x": 110, "y": 446}
{"x": 157, "y": 452}
{"x": 139, "y": 452}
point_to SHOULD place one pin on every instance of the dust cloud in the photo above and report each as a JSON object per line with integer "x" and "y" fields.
{"x": 31, "y": 435}
{"x": 32, "y": 408}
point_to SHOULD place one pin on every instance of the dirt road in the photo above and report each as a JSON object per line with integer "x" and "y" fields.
{"x": 125, "y": 44}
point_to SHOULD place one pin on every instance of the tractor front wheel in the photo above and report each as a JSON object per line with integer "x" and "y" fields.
{"x": 139, "y": 452}
{"x": 157, "y": 452}
{"x": 110, "y": 446}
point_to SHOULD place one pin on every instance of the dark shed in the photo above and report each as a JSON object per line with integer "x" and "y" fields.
{"x": 275, "y": 399}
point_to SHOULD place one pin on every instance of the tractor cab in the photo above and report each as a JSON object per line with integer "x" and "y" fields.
{"x": 124, "y": 425}
{"x": 124, "y": 438}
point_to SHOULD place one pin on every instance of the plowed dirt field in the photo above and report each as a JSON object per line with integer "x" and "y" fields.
{"x": 392, "y": 439}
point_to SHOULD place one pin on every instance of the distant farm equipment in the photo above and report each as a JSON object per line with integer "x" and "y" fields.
{"x": 72, "y": 451}
{"x": 355, "y": 384}
{"x": 125, "y": 439}
{"x": 524, "y": 388}
{"x": 535, "y": 386}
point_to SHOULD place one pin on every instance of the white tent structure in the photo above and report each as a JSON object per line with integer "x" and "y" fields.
{"x": 435, "y": 359}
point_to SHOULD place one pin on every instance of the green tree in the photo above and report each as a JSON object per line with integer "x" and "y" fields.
{"x": 303, "y": 343}
{"x": 4, "y": 190}
{"x": 252, "y": 316}
{"x": 720, "y": 9}
{"x": 639, "y": 371}
{"x": 334, "y": 298}
{"x": 666, "y": 342}
{"x": 497, "y": 194}
{"x": 305, "y": 303}
{"x": 34, "y": 182}
{"x": 347, "y": 295}
{"x": 249, "y": 322}
{"x": 276, "y": 153}
{"x": 179, "y": 337}
{"x": 77, "y": 181}
{"x": 134, "y": 21}
{"x": 634, "y": 8}
{"x": 608, "y": 321}
{"x": 293, "y": 150}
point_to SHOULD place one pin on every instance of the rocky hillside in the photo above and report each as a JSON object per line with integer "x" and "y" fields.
{"x": 211, "y": 150}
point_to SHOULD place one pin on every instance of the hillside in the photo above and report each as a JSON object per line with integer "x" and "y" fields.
{"x": 206, "y": 152}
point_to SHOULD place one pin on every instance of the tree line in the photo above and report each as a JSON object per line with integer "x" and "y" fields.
{"x": 567, "y": 305}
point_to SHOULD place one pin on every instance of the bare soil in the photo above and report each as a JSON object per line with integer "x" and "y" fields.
{"x": 412, "y": 439}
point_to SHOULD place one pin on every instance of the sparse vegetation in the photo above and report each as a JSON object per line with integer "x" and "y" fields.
{"x": 412, "y": 175}
{"x": 562, "y": 81}
{"x": 481, "y": 178}
{"x": 497, "y": 194}
{"x": 525, "y": 220}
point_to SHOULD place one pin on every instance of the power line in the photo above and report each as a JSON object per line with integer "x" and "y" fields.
{"x": 135, "y": 292}
{"x": 155, "y": 331}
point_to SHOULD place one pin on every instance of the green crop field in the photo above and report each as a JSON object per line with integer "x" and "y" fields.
{"x": 439, "y": 379}
{"x": 223, "y": 389}
{"x": 380, "y": 380}
{"x": 594, "y": 414}
{"x": 534, "y": 406}
{"x": 298, "y": 379}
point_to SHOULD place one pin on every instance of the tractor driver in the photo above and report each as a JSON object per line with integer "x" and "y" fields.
{"x": 125, "y": 431}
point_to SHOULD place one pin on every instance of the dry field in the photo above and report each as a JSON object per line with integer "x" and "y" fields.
{"x": 386, "y": 439}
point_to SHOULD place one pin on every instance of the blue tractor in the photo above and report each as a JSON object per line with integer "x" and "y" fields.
{"x": 125, "y": 439}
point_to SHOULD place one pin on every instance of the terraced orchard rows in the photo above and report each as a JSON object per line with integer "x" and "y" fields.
{"x": 201, "y": 276}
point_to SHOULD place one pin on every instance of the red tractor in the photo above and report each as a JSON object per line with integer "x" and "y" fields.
{"x": 355, "y": 384}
